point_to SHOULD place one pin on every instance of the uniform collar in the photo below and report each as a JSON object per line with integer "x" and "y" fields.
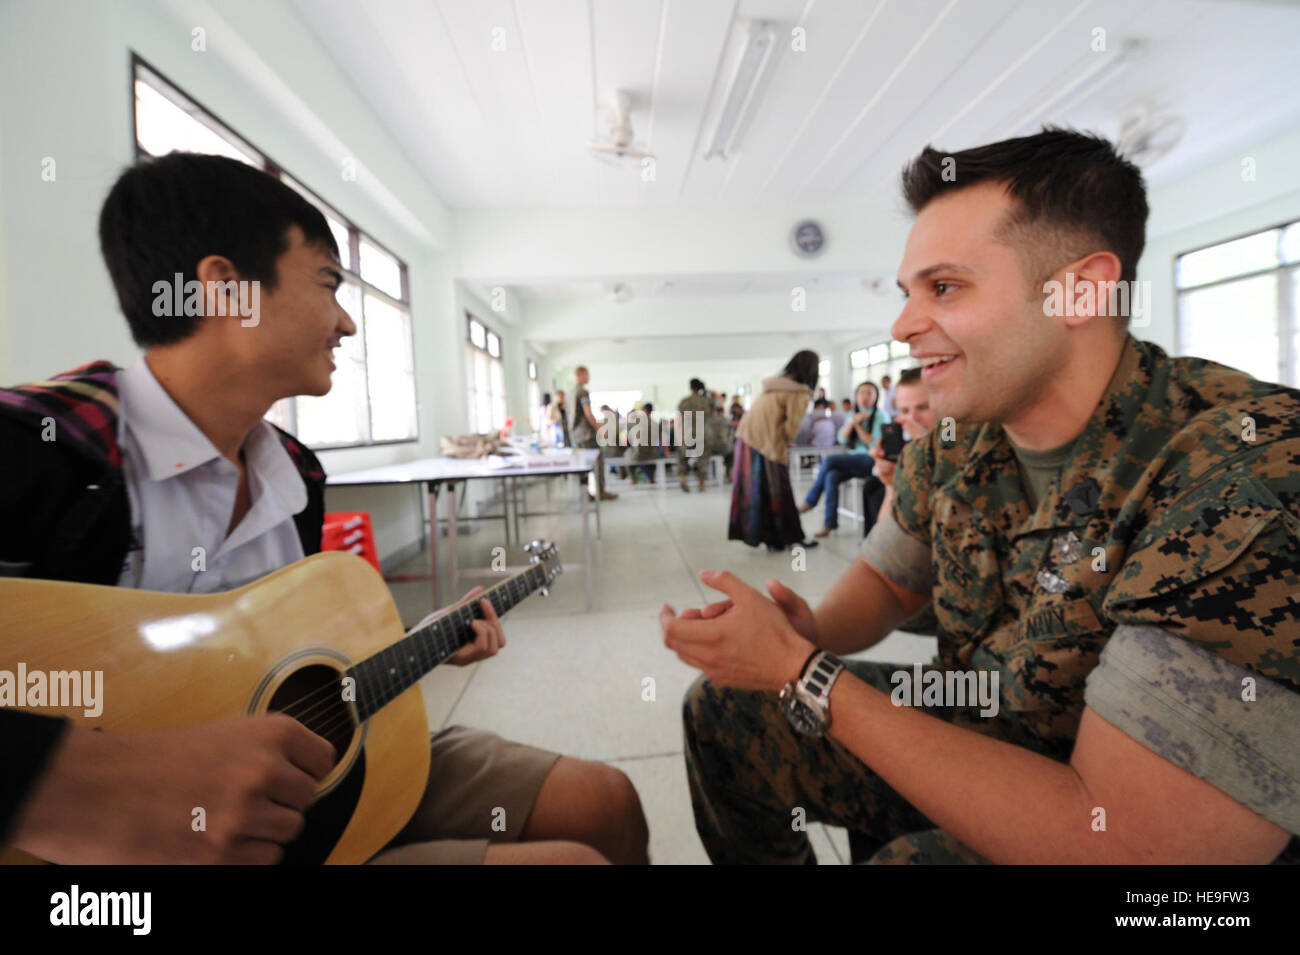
{"x": 1076, "y": 495}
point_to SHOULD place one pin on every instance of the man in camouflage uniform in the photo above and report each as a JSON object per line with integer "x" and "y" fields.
{"x": 1118, "y": 542}
{"x": 721, "y": 438}
{"x": 584, "y": 428}
{"x": 694, "y": 411}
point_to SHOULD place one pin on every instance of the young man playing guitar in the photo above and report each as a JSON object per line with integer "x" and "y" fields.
{"x": 117, "y": 476}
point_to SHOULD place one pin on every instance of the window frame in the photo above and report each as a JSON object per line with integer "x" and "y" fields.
{"x": 470, "y": 321}
{"x": 268, "y": 165}
{"x": 1288, "y": 318}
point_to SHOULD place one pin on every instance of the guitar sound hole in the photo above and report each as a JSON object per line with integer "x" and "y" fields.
{"x": 314, "y": 697}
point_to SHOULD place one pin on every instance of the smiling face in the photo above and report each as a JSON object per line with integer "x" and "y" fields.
{"x": 969, "y": 300}
{"x": 290, "y": 349}
{"x": 914, "y": 411}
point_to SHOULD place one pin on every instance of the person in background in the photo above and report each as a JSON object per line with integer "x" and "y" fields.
{"x": 584, "y": 427}
{"x": 821, "y": 394}
{"x": 860, "y": 433}
{"x": 887, "y": 397}
{"x": 642, "y": 443}
{"x": 917, "y": 419}
{"x": 737, "y": 412}
{"x": 559, "y": 418}
{"x": 762, "y": 501}
{"x": 545, "y": 431}
{"x": 612, "y": 448}
{"x": 823, "y": 426}
{"x": 721, "y": 436}
{"x": 694, "y": 411}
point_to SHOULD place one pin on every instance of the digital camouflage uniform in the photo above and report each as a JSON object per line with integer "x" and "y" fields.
{"x": 584, "y": 435}
{"x": 1170, "y": 541}
{"x": 695, "y": 410}
{"x": 721, "y": 439}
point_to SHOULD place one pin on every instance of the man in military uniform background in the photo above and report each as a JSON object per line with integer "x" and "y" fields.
{"x": 1113, "y": 533}
{"x": 694, "y": 411}
{"x": 584, "y": 427}
{"x": 721, "y": 438}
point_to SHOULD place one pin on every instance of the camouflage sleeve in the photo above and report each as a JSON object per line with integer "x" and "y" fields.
{"x": 899, "y": 557}
{"x": 1234, "y": 729}
{"x": 1219, "y": 567}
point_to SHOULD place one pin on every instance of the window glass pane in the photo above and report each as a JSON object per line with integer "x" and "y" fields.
{"x": 338, "y": 417}
{"x": 899, "y": 349}
{"x": 1235, "y": 324}
{"x": 879, "y": 353}
{"x": 494, "y": 345}
{"x": 532, "y": 370}
{"x": 380, "y": 269}
{"x": 162, "y": 127}
{"x": 1291, "y": 243}
{"x": 281, "y": 414}
{"x": 477, "y": 334}
{"x": 391, "y": 377}
{"x": 858, "y": 358}
{"x": 824, "y": 368}
{"x": 1249, "y": 254}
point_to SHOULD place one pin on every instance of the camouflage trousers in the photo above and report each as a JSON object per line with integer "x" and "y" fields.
{"x": 750, "y": 772}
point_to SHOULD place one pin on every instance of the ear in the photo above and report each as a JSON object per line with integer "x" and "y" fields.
{"x": 1097, "y": 290}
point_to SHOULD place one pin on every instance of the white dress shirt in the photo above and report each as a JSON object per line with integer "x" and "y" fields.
{"x": 182, "y": 494}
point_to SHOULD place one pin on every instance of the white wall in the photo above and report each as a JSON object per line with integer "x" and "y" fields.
{"x": 1212, "y": 206}
{"x": 262, "y": 73}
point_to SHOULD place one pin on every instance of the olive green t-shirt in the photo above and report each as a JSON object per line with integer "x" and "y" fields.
{"x": 1038, "y": 469}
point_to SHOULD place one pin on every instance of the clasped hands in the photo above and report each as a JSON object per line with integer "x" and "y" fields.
{"x": 744, "y": 641}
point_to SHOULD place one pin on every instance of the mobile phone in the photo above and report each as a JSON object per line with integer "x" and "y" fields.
{"x": 892, "y": 440}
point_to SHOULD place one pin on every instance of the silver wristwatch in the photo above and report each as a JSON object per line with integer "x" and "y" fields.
{"x": 807, "y": 701}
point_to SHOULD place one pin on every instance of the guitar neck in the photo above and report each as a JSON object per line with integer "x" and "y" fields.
{"x": 387, "y": 674}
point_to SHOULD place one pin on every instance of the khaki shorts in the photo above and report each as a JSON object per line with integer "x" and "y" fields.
{"x": 481, "y": 789}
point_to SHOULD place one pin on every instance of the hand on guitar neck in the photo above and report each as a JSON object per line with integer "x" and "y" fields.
{"x": 111, "y": 798}
{"x": 489, "y": 636}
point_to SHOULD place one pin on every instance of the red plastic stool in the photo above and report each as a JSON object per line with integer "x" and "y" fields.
{"x": 350, "y": 531}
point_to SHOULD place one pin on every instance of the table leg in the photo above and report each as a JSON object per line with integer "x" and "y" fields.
{"x": 453, "y": 580}
{"x": 433, "y": 542}
{"x": 586, "y": 541}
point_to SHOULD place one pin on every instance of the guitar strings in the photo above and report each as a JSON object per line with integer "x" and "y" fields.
{"x": 295, "y": 708}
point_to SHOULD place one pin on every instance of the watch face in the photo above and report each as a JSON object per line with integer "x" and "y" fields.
{"x": 804, "y": 718}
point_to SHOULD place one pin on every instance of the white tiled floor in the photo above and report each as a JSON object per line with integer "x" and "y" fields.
{"x": 572, "y": 681}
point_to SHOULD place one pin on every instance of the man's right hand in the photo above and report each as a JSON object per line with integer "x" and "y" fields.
{"x": 108, "y": 798}
{"x": 794, "y": 607}
{"x": 884, "y": 469}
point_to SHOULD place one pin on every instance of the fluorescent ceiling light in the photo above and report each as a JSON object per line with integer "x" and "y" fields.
{"x": 753, "y": 60}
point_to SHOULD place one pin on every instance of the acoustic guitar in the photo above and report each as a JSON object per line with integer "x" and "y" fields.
{"x": 319, "y": 640}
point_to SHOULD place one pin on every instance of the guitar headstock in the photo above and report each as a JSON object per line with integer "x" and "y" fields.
{"x": 545, "y": 554}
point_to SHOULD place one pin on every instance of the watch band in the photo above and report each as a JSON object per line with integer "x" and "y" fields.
{"x": 820, "y": 678}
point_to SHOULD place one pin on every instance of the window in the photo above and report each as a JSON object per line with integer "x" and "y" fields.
{"x": 534, "y": 398}
{"x": 372, "y": 400}
{"x": 487, "y": 379}
{"x": 874, "y": 362}
{"x": 1238, "y": 303}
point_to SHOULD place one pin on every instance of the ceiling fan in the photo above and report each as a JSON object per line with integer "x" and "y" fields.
{"x": 1146, "y": 135}
{"x": 620, "y": 143}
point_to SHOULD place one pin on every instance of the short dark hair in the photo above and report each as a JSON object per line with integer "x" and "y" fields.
{"x": 697, "y": 385}
{"x": 1075, "y": 193}
{"x": 647, "y": 407}
{"x": 802, "y": 368}
{"x": 909, "y": 376}
{"x": 164, "y": 215}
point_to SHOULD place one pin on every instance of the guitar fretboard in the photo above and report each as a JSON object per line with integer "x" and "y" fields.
{"x": 387, "y": 674}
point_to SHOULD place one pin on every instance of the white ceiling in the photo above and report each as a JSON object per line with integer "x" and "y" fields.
{"x": 878, "y": 80}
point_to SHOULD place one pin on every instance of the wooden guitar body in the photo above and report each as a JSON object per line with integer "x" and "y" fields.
{"x": 170, "y": 661}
